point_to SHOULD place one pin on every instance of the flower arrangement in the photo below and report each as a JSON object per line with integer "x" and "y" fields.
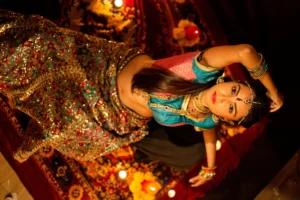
{"x": 144, "y": 186}
{"x": 187, "y": 33}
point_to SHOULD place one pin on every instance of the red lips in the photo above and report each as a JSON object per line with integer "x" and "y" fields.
{"x": 214, "y": 97}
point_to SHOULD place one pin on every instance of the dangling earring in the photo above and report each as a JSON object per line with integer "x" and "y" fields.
{"x": 229, "y": 122}
{"x": 215, "y": 118}
{"x": 220, "y": 80}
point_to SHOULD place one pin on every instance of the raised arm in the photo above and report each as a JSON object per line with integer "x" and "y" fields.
{"x": 245, "y": 54}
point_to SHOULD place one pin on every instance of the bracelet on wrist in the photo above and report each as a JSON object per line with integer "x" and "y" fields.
{"x": 207, "y": 175}
{"x": 207, "y": 172}
{"x": 260, "y": 69}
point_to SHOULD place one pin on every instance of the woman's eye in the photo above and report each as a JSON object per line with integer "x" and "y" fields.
{"x": 233, "y": 90}
{"x": 230, "y": 108}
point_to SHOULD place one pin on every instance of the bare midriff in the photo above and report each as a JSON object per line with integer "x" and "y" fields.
{"x": 131, "y": 100}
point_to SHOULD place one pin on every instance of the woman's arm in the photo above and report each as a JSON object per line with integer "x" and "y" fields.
{"x": 210, "y": 140}
{"x": 222, "y": 56}
{"x": 210, "y": 146}
{"x": 245, "y": 54}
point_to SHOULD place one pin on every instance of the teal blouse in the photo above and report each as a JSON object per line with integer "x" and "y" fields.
{"x": 171, "y": 111}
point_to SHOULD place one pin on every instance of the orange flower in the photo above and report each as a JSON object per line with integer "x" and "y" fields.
{"x": 139, "y": 177}
{"x": 187, "y": 33}
{"x": 135, "y": 186}
{"x": 149, "y": 176}
{"x": 144, "y": 186}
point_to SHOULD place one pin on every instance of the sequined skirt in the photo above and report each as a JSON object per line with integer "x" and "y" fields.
{"x": 66, "y": 82}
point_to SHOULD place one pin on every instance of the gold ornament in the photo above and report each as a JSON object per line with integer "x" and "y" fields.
{"x": 197, "y": 102}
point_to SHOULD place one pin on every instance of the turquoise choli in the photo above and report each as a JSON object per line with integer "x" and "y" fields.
{"x": 170, "y": 112}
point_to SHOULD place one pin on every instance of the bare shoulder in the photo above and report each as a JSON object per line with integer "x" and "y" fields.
{"x": 138, "y": 62}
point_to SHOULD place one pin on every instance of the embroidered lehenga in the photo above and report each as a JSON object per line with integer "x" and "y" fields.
{"x": 65, "y": 81}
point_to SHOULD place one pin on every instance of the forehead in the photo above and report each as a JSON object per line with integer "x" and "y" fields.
{"x": 245, "y": 90}
{"x": 241, "y": 106}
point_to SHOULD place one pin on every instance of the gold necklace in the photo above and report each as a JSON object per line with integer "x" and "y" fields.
{"x": 197, "y": 102}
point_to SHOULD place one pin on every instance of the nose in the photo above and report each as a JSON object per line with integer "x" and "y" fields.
{"x": 222, "y": 98}
{"x": 225, "y": 98}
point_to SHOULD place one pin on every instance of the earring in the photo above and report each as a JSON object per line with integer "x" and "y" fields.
{"x": 220, "y": 80}
{"x": 215, "y": 118}
{"x": 229, "y": 122}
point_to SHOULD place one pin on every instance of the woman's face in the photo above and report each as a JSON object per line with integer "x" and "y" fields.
{"x": 222, "y": 100}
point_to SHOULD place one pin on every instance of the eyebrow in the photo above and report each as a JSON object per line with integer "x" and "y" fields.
{"x": 239, "y": 87}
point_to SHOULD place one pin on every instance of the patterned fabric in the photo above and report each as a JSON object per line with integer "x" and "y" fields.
{"x": 151, "y": 30}
{"x": 186, "y": 66}
{"x": 99, "y": 178}
{"x": 93, "y": 179}
{"x": 66, "y": 82}
{"x": 171, "y": 111}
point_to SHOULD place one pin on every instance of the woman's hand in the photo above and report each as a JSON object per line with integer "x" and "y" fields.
{"x": 277, "y": 100}
{"x": 197, "y": 180}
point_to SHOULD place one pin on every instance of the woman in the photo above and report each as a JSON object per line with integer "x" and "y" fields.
{"x": 87, "y": 96}
{"x": 202, "y": 99}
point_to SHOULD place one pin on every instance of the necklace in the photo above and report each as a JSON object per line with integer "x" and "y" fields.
{"x": 197, "y": 102}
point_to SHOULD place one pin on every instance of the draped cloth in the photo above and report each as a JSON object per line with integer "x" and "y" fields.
{"x": 66, "y": 82}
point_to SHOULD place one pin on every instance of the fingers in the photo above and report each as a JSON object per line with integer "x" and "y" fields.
{"x": 196, "y": 184}
{"x": 274, "y": 107}
{"x": 196, "y": 181}
{"x": 277, "y": 101}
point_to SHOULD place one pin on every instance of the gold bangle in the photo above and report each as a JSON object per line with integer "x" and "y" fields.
{"x": 207, "y": 172}
{"x": 207, "y": 175}
{"x": 259, "y": 64}
{"x": 260, "y": 72}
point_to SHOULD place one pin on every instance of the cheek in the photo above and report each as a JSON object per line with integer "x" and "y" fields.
{"x": 218, "y": 109}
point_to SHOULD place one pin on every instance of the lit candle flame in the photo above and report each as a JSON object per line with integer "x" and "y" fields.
{"x": 218, "y": 145}
{"x": 118, "y": 3}
{"x": 171, "y": 193}
{"x": 122, "y": 174}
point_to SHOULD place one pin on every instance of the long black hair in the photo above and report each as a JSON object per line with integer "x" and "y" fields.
{"x": 260, "y": 109}
{"x": 159, "y": 80}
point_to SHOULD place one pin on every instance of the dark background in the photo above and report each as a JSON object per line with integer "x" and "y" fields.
{"x": 273, "y": 28}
